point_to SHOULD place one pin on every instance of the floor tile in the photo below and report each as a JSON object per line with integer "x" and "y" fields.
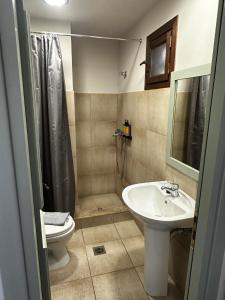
{"x": 128, "y": 229}
{"x": 116, "y": 258}
{"x": 77, "y": 268}
{"x": 76, "y": 240}
{"x": 100, "y": 234}
{"x": 135, "y": 248}
{"x": 74, "y": 290}
{"x": 122, "y": 285}
{"x": 173, "y": 292}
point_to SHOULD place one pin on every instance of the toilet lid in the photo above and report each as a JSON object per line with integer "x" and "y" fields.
{"x": 52, "y": 230}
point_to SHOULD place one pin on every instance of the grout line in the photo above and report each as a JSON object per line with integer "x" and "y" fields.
{"x": 88, "y": 264}
{"x": 142, "y": 284}
{"x": 116, "y": 271}
{"x": 135, "y": 266}
{"x": 125, "y": 248}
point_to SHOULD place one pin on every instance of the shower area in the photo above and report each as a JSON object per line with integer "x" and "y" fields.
{"x": 97, "y": 158}
{"x": 99, "y": 197}
{"x": 91, "y": 71}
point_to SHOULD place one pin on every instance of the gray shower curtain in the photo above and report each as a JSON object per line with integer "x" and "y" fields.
{"x": 196, "y": 120}
{"x": 54, "y": 138}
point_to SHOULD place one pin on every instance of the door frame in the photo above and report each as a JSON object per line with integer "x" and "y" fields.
{"x": 206, "y": 257}
{"x": 19, "y": 263}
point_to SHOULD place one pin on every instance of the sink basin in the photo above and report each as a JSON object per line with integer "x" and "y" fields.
{"x": 157, "y": 208}
{"x": 160, "y": 213}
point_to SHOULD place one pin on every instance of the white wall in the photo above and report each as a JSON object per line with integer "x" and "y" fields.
{"x": 95, "y": 65}
{"x": 196, "y": 28}
{"x": 38, "y": 24}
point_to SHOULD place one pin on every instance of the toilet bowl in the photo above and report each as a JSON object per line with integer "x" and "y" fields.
{"x": 57, "y": 238}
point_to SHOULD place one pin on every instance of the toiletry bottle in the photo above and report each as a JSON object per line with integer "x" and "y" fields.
{"x": 127, "y": 128}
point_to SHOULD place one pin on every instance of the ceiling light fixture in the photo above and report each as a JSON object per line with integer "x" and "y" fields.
{"x": 56, "y": 2}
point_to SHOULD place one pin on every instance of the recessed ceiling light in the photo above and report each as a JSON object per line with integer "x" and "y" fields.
{"x": 56, "y": 2}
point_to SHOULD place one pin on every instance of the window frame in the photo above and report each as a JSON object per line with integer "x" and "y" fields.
{"x": 165, "y": 34}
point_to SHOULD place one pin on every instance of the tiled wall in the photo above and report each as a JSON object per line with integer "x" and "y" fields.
{"x": 96, "y": 116}
{"x": 72, "y": 128}
{"x": 147, "y": 112}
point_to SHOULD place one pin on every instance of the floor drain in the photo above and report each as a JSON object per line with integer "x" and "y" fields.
{"x": 99, "y": 250}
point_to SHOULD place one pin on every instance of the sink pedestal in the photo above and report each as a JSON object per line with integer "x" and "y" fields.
{"x": 157, "y": 245}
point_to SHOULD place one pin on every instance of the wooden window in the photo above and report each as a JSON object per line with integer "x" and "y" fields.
{"x": 160, "y": 55}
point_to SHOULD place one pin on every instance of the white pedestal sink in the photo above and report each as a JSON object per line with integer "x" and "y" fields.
{"x": 160, "y": 213}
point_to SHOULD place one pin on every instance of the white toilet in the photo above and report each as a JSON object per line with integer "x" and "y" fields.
{"x": 57, "y": 238}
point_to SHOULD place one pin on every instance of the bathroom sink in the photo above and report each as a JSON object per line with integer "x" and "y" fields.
{"x": 161, "y": 213}
{"x": 156, "y": 207}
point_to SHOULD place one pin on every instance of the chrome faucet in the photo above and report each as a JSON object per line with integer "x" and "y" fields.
{"x": 171, "y": 188}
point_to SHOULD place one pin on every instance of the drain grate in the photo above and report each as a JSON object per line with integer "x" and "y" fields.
{"x": 99, "y": 250}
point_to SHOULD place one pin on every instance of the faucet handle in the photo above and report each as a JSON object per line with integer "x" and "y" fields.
{"x": 170, "y": 185}
{"x": 174, "y": 186}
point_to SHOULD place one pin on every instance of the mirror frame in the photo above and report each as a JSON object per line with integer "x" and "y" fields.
{"x": 175, "y": 76}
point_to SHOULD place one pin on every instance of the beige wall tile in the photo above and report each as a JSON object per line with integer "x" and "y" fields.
{"x": 84, "y": 185}
{"x": 70, "y": 107}
{"x": 77, "y": 290}
{"x": 103, "y": 184}
{"x": 122, "y": 285}
{"x": 156, "y": 155}
{"x": 84, "y": 161}
{"x": 104, "y": 107}
{"x": 119, "y": 185}
{"x": 83, "y": 134}
{"x": 139, "y": 144}
{"x": 186, "y": 183}
{"x": 83, "y": 107}
{"x": 158, "y": 110}
{"x": 128, "y": 108}
{"x": 104, "y": 159}
{"x": 141, "y": 119}
{"x": 140, "y": 174}
{"x": 102, "y": 133}
{"x": 151, "y": 176}
{"x": 119, "y": 108}
{"x": 73, "y": 139}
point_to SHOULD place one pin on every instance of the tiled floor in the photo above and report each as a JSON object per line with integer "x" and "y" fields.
{"x": 116, "y": 275}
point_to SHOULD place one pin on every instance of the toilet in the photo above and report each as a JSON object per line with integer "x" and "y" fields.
{"x": 57, "y": 238}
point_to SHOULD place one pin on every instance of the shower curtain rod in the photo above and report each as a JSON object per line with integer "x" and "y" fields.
{"x": 87, "y": 36}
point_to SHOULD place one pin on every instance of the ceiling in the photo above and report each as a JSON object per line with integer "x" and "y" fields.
{"x": 102, "y": 17}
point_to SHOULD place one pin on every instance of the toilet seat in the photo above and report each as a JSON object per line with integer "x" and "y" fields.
{"x": 53, "y": 231}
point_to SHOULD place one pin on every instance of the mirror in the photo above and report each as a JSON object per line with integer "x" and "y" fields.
{"x": 188, "y": 99}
